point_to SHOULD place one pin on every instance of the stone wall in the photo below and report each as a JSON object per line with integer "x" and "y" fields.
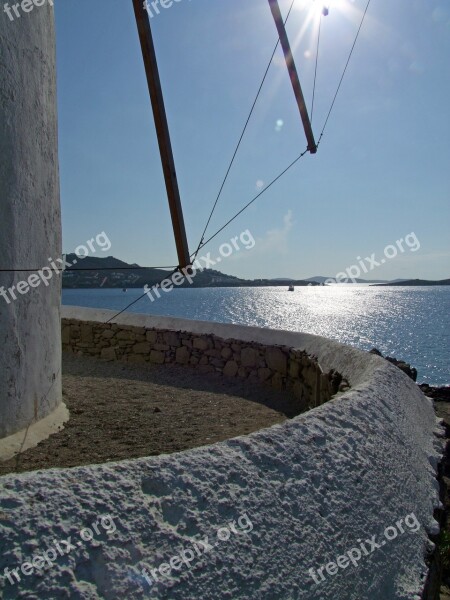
{"x": 279, "y": 366}
{"x": 314, "y": 487}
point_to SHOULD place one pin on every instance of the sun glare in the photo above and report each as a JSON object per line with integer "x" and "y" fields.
{"x": 315, "y": 10}
{"x": 318, "y": 8}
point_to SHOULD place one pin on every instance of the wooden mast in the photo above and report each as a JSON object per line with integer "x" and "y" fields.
{"x": 162, "y": 131}
{"x": 276, "y": 13}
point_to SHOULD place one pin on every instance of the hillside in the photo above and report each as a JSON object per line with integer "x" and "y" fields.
{"x": 110, "y": 272}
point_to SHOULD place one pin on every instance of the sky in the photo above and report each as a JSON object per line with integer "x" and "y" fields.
{"x": 381, "y": 172}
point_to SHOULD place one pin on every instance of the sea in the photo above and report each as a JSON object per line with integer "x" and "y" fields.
{"x": 409, "y": 323}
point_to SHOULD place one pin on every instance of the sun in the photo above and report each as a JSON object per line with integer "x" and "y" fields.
{"x": 314, "y": 11}
{"x": 322, "y": 8}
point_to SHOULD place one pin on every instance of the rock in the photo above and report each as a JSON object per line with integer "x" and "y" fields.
{"x": 108, "y": 354}
{"x": 65, "y": 335}
{"x": 298, "y": 390}
{"x": 405, "y": 367}
{"x": 375, "y": 351}
{"x": 230, "y": 369}
{"x": 182, "y": 355}
{"x": 201, "y": 344}
{"x": 249, "y": 356}
{"x": 151, "y": 337}
{"x": 402, "y": 365}
{"x": 125, "y": 335}
{"x": 86, "y": 333}
{"x": 156, "y": 357}
{"x": 172, "y": 339}
{"x": 441, "y": 394}
{"x": 276, "y": 360}
{"x": 294, "y": 369}
{"x": 264, "y": 374}
{"x": 277, "y": 381}
{"x": 336, "y": 381}
{"x": 217, "y": 362}
{"x": 242, "y": 372}
{"x": 227, "y": 353}
{"x": 141, "y": 348}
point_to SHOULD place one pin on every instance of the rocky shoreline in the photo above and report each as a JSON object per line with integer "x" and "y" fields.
{"x": 439, "y": 393}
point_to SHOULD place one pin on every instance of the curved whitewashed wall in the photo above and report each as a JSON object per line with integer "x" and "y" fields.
{"x": 30, "y": 223}
{"x": 313, "y": 489}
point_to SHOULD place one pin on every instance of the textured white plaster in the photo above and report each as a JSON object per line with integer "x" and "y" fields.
{"x": 34, "y": 434}
{"x": 30, "y": 223}
{"x": 312, "y": 487}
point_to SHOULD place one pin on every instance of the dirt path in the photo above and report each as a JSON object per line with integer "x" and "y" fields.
{"x": 121, "y": 411}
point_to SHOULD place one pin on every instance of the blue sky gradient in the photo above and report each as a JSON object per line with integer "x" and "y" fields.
{"x": 382, "y": 170}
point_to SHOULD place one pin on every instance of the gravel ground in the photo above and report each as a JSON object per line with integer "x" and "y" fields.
{"x": 121, "y": 411}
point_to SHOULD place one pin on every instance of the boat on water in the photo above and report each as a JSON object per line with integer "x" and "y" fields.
{"x": 291, "y": 288}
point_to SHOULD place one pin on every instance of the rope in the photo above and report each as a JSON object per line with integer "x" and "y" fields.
{"x": 315, "y": 70}
{"x": 140, "y": 297}
{"x": 255, "y": 198}
{"x": 241, "y": 138}
{"x": 345, "y": 71}
{"x": 90, "y": 269}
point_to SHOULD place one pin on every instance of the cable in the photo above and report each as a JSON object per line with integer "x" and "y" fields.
{"x": 345, "y": 70}
{"x": 255, "y": 198}
{"x": 315, "y": 70}
{"x": 140, "y": 297}
{"x": 90, "y": 269}
{"x": 241, "y": 138}
{"x": 202, "y": 244}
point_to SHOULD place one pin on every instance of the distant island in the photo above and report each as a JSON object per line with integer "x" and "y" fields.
{"x": 415, "y": 282}
{"x": 110, "y": 272}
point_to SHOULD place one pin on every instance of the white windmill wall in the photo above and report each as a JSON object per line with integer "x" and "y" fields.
{"x": 30, "y": 222}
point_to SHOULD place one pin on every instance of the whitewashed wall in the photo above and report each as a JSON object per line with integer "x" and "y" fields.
{"x": 314, "y": 488}
{"x": 30, "y": 222}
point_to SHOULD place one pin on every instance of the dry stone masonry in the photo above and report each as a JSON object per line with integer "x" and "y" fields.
{"x": 279, "y": 366}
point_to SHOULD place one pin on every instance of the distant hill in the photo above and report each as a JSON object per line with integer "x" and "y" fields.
{"x": 416, "y": 282}
{"x": 110, "y": 272}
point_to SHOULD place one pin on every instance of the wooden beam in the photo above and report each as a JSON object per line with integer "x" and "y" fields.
{"x": 276, "y": 13}
{"x": 162, "y": 131}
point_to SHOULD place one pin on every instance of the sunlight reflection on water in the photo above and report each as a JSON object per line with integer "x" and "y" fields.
{"x": 410, "y": 323}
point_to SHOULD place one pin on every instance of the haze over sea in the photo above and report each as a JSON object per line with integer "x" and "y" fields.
{"x": 409, "y": 323}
